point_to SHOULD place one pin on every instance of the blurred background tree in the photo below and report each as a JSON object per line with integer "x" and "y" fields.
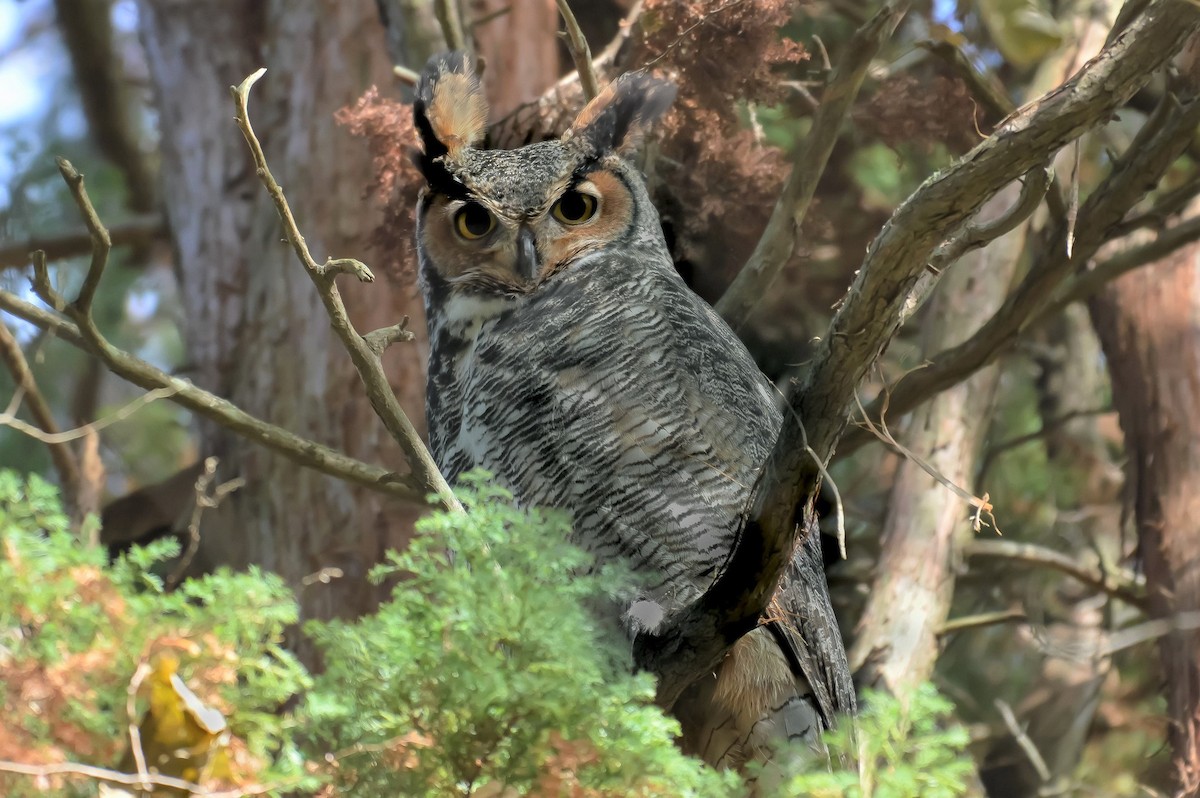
{"x": 1089, "y": 474}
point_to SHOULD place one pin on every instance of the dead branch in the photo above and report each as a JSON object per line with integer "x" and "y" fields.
{"x": 297, "y": 449}
{"x": 130, "y": 779}
{"x": 581, "y": 54}
{"x": 65, "y": 462}
{"x": 778, "y": 241}
{"x": 1115, "y": 581}
{"x": 67, "y": 245}
{"x": 1099, "y": 275}
{"x": 203, "y": 499}
{"x": 980, "y": 621}
{"x": 57, "y": 438}
{"x": 363, "y": 353}
{"x": 1031, "y": 751}
{"x": 1157, "y": 146}
{"x": 446, "y": 12}
{"x": 693, "y": 642}
{"x": 977, "y": 234}
{"x": 81, "y": 331}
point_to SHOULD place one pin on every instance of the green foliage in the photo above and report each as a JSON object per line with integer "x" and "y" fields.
{"x": 73, "y": 632}
{"x": 487, "y": 670}
{"x": 893, "y": 750}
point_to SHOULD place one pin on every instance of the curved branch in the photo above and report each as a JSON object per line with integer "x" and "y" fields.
{"x": 691, "y": 643}
{"x": 1154, "y": 149}
{"x": 364, "y": 353}
{"x": 581, "y": 54}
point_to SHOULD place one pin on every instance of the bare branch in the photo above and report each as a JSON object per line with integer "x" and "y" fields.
{"x": 55, "y": 439}
{"x": 692, "y": 642}
{"x": 362, "y": 353}
{"x": 1031, "y": 751}
{"x": 130, "y": 779}
{"x": 1117, "y": 582}
{"x": 1152, "y": 152}
{"x": 297, "y": 449}
{"x": 980, "y": 621}
{"x": 974, "y": 235}
{"x": 67, "y": 245}
{"x": 581, "y": 54}
{"x": 65, "y": 462}
{"x": 778, "y": 241}
{"x": 452, "y": 27}
{"x": 1089, "y": 282}
{"x": 203, "y": 500}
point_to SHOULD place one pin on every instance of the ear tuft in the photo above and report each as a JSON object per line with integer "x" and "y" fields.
{"x": 620, "y": 115}
{"x": 450, "y": 111}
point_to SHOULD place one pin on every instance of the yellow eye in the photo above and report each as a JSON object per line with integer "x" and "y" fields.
{"x": 574, "y": 207}
{"x": 473, "y": 221}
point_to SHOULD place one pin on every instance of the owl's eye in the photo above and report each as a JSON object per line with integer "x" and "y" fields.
{"x": 574, "y": 207}
{"x": 473, "y": 221}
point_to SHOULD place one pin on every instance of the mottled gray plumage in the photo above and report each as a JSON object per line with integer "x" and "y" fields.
{"x": 569, "y": 358}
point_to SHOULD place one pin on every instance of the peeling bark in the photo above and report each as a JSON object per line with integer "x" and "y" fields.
{"x": 1149, "y": 326}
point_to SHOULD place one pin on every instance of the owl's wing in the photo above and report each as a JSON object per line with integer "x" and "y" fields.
{"x": 809, "y": 634}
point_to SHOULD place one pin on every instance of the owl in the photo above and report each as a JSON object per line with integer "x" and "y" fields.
{"x": 569, "y": 359}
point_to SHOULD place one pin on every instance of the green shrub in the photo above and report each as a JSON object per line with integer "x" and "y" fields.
{"x": 893, "y": 749}
{"x": 73, "y": 632}
{"x": 487, "y": 671}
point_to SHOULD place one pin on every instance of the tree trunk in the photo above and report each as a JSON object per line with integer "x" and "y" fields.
{"x": 1149, "y": 326}
{"x": 255, "y": 329}
{"x": 926, "y": 526}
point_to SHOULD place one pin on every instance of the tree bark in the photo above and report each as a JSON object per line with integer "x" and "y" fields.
{"x": 926, "y": 526}
{"x": 1149, "y": 326}
{"x": 255, "y": 328}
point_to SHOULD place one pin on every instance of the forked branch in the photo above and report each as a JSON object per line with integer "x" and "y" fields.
{"x": 79, "y": 329}
{"x": 364, "y": 352}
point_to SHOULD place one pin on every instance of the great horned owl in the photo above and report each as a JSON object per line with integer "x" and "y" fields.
{"x": 568, "y": 358}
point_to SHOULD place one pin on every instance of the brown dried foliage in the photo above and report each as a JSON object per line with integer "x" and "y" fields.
{"x": 716, "y": 183}
{"x": 387, "y": 125}
{"x": 922, "y": 111}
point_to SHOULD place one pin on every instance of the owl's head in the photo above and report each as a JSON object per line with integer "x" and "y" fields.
{"x": 504, "y": 222}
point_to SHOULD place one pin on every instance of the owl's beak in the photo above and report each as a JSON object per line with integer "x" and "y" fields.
{"x": 528, "y": 263}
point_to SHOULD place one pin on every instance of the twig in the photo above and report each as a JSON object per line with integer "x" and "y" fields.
{"x": 135, "y": 734}
{"x": 65, "y": 462}
{"x": 446, "y": 12}
{"x": 1031, "y": 751}
{"x": 59, "y": 438}
{"x": 778, "y": 241}
{"x": 203, "y": 500}
{"x": 405, "y": 74}
{"x": 982, "y": 504}
{"x": 1087, "y": 283}
{"x": 1047, "y": 427}
{"x": 364, "y": 355}
{"x": 130, "y": 779}
{"x": 68, "y": 245}
{"x": 979, "y": 621}
{"x": 297, "y": 449}
{"x": 581, "y": 54}
{"x": 1116, "y": 582}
